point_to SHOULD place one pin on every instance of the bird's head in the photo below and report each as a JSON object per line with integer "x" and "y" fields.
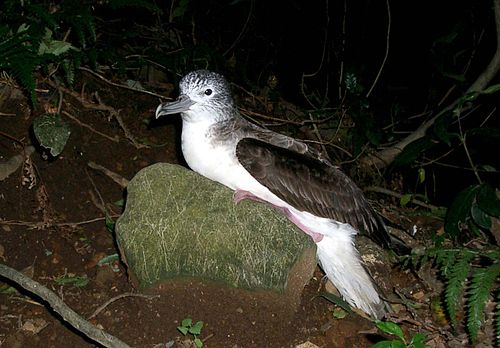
{"x": 204, "y": 96}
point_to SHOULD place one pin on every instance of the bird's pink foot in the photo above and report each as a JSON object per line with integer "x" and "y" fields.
{"x": 240, "y": 195}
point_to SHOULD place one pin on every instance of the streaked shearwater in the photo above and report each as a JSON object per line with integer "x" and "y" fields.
{"x": 218, "y": 143}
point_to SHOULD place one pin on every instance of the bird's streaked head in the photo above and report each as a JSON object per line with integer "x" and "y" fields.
{"x": 203, "y": 94}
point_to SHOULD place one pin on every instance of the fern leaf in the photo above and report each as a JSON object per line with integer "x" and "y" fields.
{"x": 445, "y": 259}
{"x": 481, "y": 287}
{"x": 455, "y": 285}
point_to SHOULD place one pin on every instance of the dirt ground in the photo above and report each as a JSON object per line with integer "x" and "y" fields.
{"x": 52, "y": 227}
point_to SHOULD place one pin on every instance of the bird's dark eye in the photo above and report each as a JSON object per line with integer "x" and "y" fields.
{"x": 208, "y": 91}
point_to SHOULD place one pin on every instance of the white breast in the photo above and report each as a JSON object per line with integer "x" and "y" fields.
{"x": 216, "y": 161}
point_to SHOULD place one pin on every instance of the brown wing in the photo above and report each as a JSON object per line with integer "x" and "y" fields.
{"x": 308, "y": 184}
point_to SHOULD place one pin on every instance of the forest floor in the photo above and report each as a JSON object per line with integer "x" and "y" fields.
{"x": 52, "y": 227}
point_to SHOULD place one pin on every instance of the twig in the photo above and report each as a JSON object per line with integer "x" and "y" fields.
{"x": 114, "y": 139}
{"x": 246, "y": 112}
{"x": 318, "y": 136}
{"x": 35, "y": 224}
{"x": 387, "y": 40}
{"x": 128, "y": 134}
{"x": 120, "y": 180}
{"x": 120, "y": 85}
{"x": 320, "y": 65}
{"x": 243, "y": 29}
{"x": 69, "y": 315}
{"x": 99, "y": 205}
{"x": 111, "y": 300}
{"x": 463, "y": 138}
{"x": 116, "y": 114}
{"x": 342, "y": 51}
{"x": 398, "y": 195}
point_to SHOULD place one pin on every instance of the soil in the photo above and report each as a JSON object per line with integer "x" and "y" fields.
{"x": 52, "y": 227}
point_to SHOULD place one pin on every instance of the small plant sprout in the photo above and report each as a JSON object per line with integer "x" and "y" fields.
{"x": 417, "y": 341}
{"x": 187, "y": 327}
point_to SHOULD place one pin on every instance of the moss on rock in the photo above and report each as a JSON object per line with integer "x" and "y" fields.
{"x": 178, "y": 224}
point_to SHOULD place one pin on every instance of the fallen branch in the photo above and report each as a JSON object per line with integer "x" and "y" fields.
{"x": 399, "y": 196}
{"x": 114, "y": 139}
{"x": 69, "y": 315}
{"x": 120, "y": 180}
{"x": 120, "y": 85}
{"x": 111, "y": 300}
{"x": 41, "y": 224}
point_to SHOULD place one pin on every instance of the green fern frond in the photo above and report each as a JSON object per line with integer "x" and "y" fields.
{"x": 69, "y": 71}
{"x": 445, "y": 259}
{"x": 480, "y": 288}
{"x": 18, "y": 59}
{"x": 456, "y": 283}
{"x": 41, "y": 14}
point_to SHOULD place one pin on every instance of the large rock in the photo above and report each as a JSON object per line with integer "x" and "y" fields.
{"x": 178, "y": 224}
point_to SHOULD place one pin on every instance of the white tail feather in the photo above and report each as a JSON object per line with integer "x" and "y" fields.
{"x": 341, "y": 262}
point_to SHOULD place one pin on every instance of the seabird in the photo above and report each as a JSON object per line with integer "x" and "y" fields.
{"x": 259, "y": 164}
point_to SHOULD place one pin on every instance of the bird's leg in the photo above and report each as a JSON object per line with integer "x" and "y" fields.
{"x": 240, "y": 195}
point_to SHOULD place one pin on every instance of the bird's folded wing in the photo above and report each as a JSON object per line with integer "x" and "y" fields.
{"x": 308, "y": 184}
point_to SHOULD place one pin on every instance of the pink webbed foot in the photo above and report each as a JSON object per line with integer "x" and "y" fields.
{"x": 240, "y": 195}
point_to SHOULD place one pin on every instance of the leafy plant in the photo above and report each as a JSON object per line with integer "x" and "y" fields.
{"x": 470, "y": 276}
{"x": 472, "y": 209}
{"x": 78, "y": 281}
{"x": 51, "y": 132}
{"x": 417, "y": 341}
{"x": 187, "y": 327}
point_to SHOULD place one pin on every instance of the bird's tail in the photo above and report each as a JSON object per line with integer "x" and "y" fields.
{"x": 342, "y": 264}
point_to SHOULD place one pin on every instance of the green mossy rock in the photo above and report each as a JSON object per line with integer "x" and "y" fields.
{"x": 178, "y": 224}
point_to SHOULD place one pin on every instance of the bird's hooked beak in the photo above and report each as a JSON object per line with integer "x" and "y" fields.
{"x": 183, "y": 103}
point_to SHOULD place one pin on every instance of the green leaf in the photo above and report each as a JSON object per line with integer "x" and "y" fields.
{"x": 405, "y": 199}
{"x": 51, "y": 46}
{"x": 337, "y": 301}
{"x": 196, "y": 328}
{"x": 482, "y": 219}
{"x": 339, "y": 313}
{"x": 421, "y": 175}
{"x": 459, "y": 211}
{"x": 181, "y": 9}
{"x": 187, "y": 322}
{"x": 110, "y": 224}
{"x": 488, "y": 200}
{"x": 455, "y": 285}
{"x": 183, "y": 330}
{"x": 108, "y": 259}
{"x": 51, "y": 132}
{"x": 413, "y": 150}
{"x": 120, "y": 203}
{"x": 418, "y": 339}
{"x": 198, "y": 343}
{"x": 480, "y": 289}
{"x": 491, "y": 89}
{"x": 384, "y": 344}
{"x": 77, "y": 281}
{"x": 390, "y": 328}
